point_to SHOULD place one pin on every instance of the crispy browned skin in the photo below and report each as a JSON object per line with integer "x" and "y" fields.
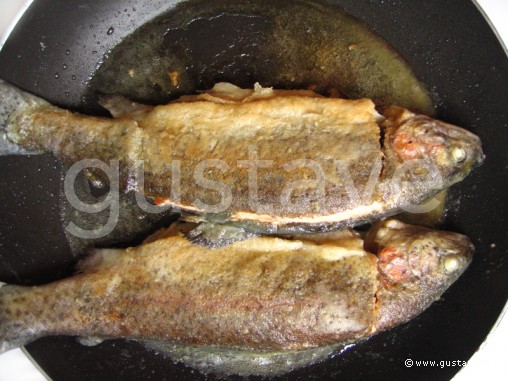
{"x": 263, "y": 293}
{"x": 299, "y": 135}
{"x": 416, "y": 265}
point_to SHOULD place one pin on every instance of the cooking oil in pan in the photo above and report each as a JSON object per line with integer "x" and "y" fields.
{"x": 227, "y": 361}
{"x": 130, "y": 225}
{"x": 284, "y": 44}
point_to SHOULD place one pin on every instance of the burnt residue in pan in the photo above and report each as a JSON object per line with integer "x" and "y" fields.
{"x": 284, "y": 44}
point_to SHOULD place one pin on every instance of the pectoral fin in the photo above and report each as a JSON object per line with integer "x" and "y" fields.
{"x": 120, "y": 107}
{"x": 217, "y": 235}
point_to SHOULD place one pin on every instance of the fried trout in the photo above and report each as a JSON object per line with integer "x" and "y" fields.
{"x": 263, "y": 293}
{"x": 274, "y": 161}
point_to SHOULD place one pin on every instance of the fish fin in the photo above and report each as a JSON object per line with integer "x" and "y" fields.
{"x": 243, "y": 362}
{"x": 89, "y": 341}
{"x": 217, "y": 235}
{"x": 12, "y": 100}
{"x": 120, "y": 107}
{"x": 98, "y": 259}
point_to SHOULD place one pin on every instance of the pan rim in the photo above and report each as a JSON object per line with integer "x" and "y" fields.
{"x": 14, "y": 21}
{"x": 502, "y": 316}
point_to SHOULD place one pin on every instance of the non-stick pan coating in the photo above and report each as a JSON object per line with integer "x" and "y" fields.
{"x": 58, "y": 44}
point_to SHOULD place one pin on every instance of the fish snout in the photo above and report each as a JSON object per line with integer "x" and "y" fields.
{"x": 409, "y": 253}
{"x": 464, "y": 149}
{"x": 456, "y": 253}
{"x": 441, "y": 255}
{"x": 453, "y": 150}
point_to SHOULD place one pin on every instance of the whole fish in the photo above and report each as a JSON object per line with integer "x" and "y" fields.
{"x": 274, "y": 161}
{"x": 263, "y": 293}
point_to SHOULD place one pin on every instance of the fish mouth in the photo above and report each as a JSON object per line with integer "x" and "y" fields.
{"x": 407, "y": 253}
{"x": 461, "y": 246}
{"x": 455, "y": 254}
{"x": 470, "y": 141}
{"x": 480, "y": 158}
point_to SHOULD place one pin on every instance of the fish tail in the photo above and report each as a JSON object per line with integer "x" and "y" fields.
{"x": 16, "y": 328}
{"x": 13, "y": 100}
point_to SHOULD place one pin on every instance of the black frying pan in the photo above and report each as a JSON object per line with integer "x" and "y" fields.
{"x": 451, "y": 49}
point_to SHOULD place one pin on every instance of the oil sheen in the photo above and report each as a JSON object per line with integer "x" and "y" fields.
{"x": 283, "y": 44}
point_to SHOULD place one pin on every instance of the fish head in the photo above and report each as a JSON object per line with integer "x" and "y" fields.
{"x": 452, "y": 150}
{"x": 416, "y": 265}
{"x": 409, "y": 254}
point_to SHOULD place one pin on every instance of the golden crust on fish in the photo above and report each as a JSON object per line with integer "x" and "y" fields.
{"x": 278, "y": 161}
{"x": 263, "y": 293}
{"x": 290, "y": 135}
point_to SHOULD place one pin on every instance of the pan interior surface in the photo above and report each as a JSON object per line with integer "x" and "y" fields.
{"x": 467, "y": 89}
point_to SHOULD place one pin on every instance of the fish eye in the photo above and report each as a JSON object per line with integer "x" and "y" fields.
{"x": 459, "y": 155}
{"x": 451, "y": 263}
